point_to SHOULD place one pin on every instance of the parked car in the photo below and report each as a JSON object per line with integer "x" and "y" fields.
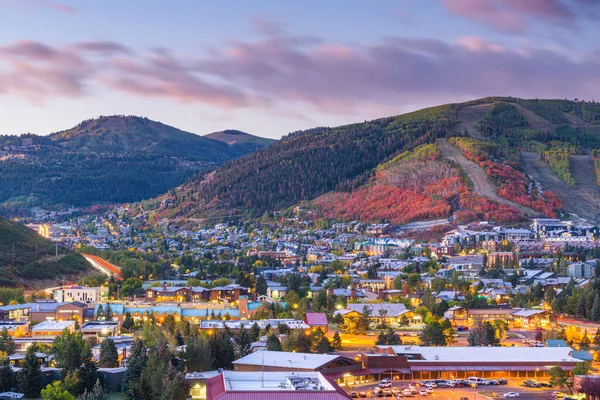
{"x": 503, "y": 381}
{"x": 484, "y": 382}
{"x": 531, "y": 383}
{"x": 450, "y": 384}
{"x": 462, "y": 328}
{"x": 407, "y": 392}
{"x": 362, "y": 394}
{"x": 385, "y": 384}
{"x": 412, "y": 389}
{"x": 428, "y": 389}
{"x": 494, "y": 382}
{"x": 354, "y": 395}
{"x": 511, "y": 394}
{"x": 387, "y": 393}
{"x": 545, "y": 384}
{"x": 423, "y": 392}
{"x": 558, "y": 395}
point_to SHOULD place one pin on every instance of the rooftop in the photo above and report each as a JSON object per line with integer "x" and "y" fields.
{"x": 287, "y": 359}
{"x": 52, "y": 326}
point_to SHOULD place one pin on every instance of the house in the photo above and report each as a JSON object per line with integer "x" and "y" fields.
{"x": 295, "y": 362}
{"x": 50, "y": 310}
{"x": 317, "y": 321}
{"x": 15, "y": 329}
{"x": 11, "y": 395}
{"x": 448, "y": 295}
{"x": 276, "y": 292}
{"x": 17, "y": 312}
{"x": 583, "y": 269}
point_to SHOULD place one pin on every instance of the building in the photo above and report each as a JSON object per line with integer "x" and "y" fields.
{"x": 51, "y": 329}
{"x": 289, "y": 362}
{"x": 390, "y": 314}
{"x": 583, "y": 269}
{"x": 176, "y": 294}
{"x": 100, "y": 329}
{"x": 82, "y": 294}
{"x": 50, "y": 310}
{"x": 516, "y": 317}
{"x": 233, "y": 385}
{"x": 317, "y": 321}
{"x": 17, "y": 312}
{"x": 416, "y": 362}
{"x": 15, "y": 329}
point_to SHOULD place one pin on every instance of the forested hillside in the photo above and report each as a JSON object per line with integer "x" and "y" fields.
{"x": 106, "y": 160}
{"x": 26, "y": 257}
{"x": 348, "y": 169}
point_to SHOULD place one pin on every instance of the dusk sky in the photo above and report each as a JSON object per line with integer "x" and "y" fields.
{"x": 271, "y": 67}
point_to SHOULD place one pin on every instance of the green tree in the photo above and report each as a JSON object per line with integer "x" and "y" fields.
{"x": 222, "y": 350}
{"x": 296, "y": 341}
{"x": 7, "y": 343}
{"x": 197, "y": 355}
{"x": 243, "y": 342}
{"x": 273, "y": 343}
{"x": 597, "y": 337}
{"x": 337, "y": 341}
{"x": 558, "y": 378}
{"x": 68, "y": 349}
{"x": 29, "y": 378}
{"x": 364, "y": 320}
{"x": 260, "y": 286}
{"x": 174, "y": 385}
{"x": 254, "y": 332}
{"x": 483, "y": 334}
{"x": 323, "y": 345}
{"x": 109, "y": 355}
{"x": 55, "y": 391}
{"x": 433, "y": 335}
{"x": 7, "y": 378}
{"x": 87, "y": 374}
{"x": 97, "y": 393}
{"x": 128, "y": 322}
{"x": 135, "y": 365}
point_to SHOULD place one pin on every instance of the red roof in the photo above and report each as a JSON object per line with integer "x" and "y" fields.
{"x": 316, "y": 319}
{"x": 281, "y": 395}
{"x": 215, "y": 387}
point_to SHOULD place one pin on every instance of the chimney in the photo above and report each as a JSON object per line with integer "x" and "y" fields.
{"x": 353, "y": 292}
{"x": 381, "y": 294}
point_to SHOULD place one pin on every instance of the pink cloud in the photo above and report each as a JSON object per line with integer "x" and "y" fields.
{"x": 283, "y": 73}
{"x": 514, "y": 16}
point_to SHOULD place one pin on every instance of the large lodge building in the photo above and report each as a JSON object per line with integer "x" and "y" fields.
{"x": 174, "y": 294}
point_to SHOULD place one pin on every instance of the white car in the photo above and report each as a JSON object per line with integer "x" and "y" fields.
{"x": 423, "y": 392}
{"x": 406, "y": 392}
{"x": 387, "y": 384}
{"x": 510, "y": 394}
{"x": 428, "y": 389}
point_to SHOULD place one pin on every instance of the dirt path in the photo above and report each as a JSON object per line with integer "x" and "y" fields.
{"x": 534, "y": 120}
{"x": 469, "y": 117}
{"x": 578, "y": 201}
{"x": 478, "y": 177}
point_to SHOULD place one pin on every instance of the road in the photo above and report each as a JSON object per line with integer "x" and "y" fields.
{"x": 103, "y": 266}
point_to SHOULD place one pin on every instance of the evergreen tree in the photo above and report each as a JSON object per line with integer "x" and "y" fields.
{"x": 174, "y": 385}
{"x": 273, "y": 343}
{"x": 197, "y": 355}
{"x": 597, "y": 337}
{"x": 595, "y": 313}
{"x": 97, "y": 393}
{"x": 260, "y": 286}
{"x": 323, "y": 346}
{"x": 87, "y": 374}
{"x": 222, "y": 350}
{"x": 243, "y": 343}
{"x": 100, "y": 313}
{"x": 29, "y": 378}
{"x": 7, "y": 378}
{"x": 68, "y": 349}
{"x": 135, "y": 364}
{"x": 585, "y": 341}
{"x": 337, "y": 341}
{"x": 433, "y": 335}
{"x": 7, "y": 343}
{"x": 108, "y": 312}
{"x": 254, "y": 332}
{"x": 128, "y": 322}
{"x": 109, "y": 355}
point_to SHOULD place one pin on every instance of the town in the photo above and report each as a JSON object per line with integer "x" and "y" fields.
{"x": 344, "y": 309}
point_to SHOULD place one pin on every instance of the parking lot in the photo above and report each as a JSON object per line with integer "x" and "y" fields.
{"x": 479, "y": 393}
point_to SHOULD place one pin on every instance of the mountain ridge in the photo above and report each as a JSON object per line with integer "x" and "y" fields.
{"x": 343, "y": 160}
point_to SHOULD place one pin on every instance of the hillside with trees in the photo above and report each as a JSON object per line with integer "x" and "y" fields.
{"x": 26, "y": 257}
{"x": 114, "y": 159}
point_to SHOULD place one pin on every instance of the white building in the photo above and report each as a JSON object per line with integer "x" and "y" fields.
{"x": 82, "y": 294}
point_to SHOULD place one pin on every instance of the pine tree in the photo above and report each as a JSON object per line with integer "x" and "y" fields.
{"x": 109, "y": 355}
{"x": 585, "y": 341}
{"x": 595, "y": 315}
{"x": 175, "y": 386}
{"x": 135, "y": 364}
{"x": 128, "y": 322}
{"x": 87, "y": 374}
{"x": 197, "y": 355}
{"x": 7, "y": 378}
{"x": 97, "y": 393}
{"x": 337, "y": 341}
{"x": 273, "y": 343}
{"x": 260, "y": 286}
{"x": 29, "y": 378}
{"x": 323, "y": 346}
{"x": 254, "y": 332}
{"x": 243, "y": 343}
{"x": 597, "y": 337}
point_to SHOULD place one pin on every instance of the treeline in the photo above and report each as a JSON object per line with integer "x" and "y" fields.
{"x": 305, "y": 166}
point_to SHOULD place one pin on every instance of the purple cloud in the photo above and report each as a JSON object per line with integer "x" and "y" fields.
{"x": 513, "y": 16}
{"x": 287, "y": 73}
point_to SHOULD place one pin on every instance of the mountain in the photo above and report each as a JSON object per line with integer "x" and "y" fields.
{"x": 113, "y": 159}
{"x": 242, "y": 141}
{"x": 26, "y": 257}
{"x": 497, "y": 158}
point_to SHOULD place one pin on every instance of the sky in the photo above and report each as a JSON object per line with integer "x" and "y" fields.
{"x": 270, "y": 67}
